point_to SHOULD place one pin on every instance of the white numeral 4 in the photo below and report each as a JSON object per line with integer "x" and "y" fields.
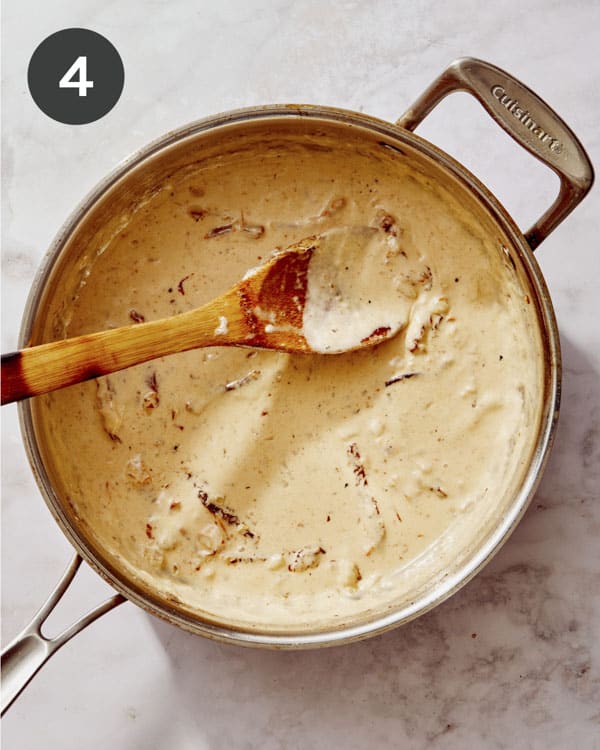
{"x": 68, "y": 80}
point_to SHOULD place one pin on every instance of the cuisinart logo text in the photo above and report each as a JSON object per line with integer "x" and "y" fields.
{"x": 513, "y": 106}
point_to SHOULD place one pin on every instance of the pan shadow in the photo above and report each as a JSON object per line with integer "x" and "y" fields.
{"x": 504, "y": 641}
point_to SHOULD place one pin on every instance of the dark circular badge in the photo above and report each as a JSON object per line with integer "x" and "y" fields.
{"x": 75, "y": 76}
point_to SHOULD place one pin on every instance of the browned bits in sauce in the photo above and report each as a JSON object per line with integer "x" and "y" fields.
{"x": 400, "y": 378}
{"x": 152, "y": 383}
{"x": 439, "y": 492}
{"x": 249, "y": 559}
{"x": 218, "y": 231}
{"x": 426, "y": 278}
{"x": 180, "y": 288}
{"x": 359, "y": 470}
{"x": 197, "y": 213}
{"x": 217, "y": 510}
{"x": 149, "y": 529}
{"x": 415, "y": 344}
{"x": 387, "y": 222}
{"x": 136, "y": 316}
{"x": 378, "y": 333}
{"x": 304, "y": 559}
{"x": 151, "y": 399}
{"x": 435, "y": 320}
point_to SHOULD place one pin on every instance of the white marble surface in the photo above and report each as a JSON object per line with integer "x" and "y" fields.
{"x": 513, "y": 659}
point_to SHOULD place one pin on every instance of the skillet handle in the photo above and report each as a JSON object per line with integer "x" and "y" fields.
{"x": 29, "y": 651}
{"x": 528, "y": 120}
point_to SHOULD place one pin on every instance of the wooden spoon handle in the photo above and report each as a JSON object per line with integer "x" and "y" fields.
{"x": 233, "y": 319}
{"x": 47, "y": 367}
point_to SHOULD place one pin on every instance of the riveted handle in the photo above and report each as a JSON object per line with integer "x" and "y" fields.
{"x": 528, "y": 120}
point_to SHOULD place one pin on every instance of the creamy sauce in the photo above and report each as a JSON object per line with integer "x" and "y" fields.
{"x": 291, "y": 491}
{"x": 359, "y": 281}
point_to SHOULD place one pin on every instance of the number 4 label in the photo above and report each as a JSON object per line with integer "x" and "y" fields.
{"x": 68, "y": 80}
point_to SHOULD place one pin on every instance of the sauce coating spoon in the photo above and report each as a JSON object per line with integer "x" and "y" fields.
{"x": 264, "y": 310}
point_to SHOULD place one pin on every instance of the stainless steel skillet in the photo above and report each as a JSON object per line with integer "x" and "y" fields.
{"x": 518, "y": 111}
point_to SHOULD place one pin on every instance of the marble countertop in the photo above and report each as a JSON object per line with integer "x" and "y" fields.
{"x": 513, "y": 659}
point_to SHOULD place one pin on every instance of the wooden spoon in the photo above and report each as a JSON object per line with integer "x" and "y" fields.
{"x": 265, "y": 310}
